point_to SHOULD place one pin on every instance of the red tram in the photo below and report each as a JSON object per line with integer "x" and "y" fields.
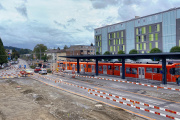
{"x": 144, "y": 71}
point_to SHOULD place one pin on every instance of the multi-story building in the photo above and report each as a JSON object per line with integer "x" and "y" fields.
{"x": 80, "y": 50}
{"x": 54, "y": 54}
{"x": 159, "y": 30}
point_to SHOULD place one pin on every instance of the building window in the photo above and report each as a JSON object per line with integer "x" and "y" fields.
{"x": 111, "y": 48}
{"x": 156, "y": 36}
{"x": 143, "y": 30}
{"x": 123, "y": 47}
{"x": 158, "y": 27}
{"x": 114, "y": 35}
{"x": 142, "y": 51}
{"x": 151, "y": 37}
{"x": 137, "y": 46}
{"x": 142, "y": 38}
{"x": 117, "y": 48}
{"x": 137, "y": 39}
{"x": 150, "y": 46}
{"x": 117, "y": 34}
{"x": 179, "y": 43}
{"x": 156, "y": 44}
{"x": 122, "y": 40}
{"x": 119, "y": 41}
{"x": 144, "y": 46}
{"x": 136, "y": 31}
{"x": 141, "y": 46}
{"x": 121, "y": 33}
{"x": 140, "y": 30}
{"x": 150, "y": 29}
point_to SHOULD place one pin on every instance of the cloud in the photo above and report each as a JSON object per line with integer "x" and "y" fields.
{"x": 72, "y": 20}
{"x": 59, "y": 24}
{"x": 22, "y": 10}
{"x": 90, "y": 28}
{"x": 1, "y": 7}
{"x": 100, "y": 4}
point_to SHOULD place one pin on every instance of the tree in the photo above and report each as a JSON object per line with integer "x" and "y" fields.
{"x": 133, "y": 51}
{"x": 65, "y": 47}
{"x": 175, "y": 49}
{"x": 120, "y": 52}
{"x": 155, "y": 50}
{"x": 97, "y": 53}
{"x": 107, "y": 53}
{"x": 39, "y": 50}
{"x": 3, "y": 54}
{"x": 15, "y": 54}
{"x": 58, "y": 48}
{"x": 91, "y": 44}
{"x": 25, "y": 51}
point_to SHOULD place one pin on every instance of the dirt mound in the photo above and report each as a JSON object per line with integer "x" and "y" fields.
{"x": 2, "y": 116}
{"x": 28, "y": 91}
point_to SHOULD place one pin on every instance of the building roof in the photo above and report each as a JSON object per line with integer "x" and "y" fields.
{"x": 128, "y": 56}
{"x": 55, "y": 51}
{"x": 139, "y": 17}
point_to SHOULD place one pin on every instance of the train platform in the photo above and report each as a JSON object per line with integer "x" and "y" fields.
{"x": 129, "y": 79}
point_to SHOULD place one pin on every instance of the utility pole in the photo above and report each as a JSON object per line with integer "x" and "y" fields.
{"x": 40, "y": 53}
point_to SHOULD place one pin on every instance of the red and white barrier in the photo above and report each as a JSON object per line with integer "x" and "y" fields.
{"x": 158, "y": 87}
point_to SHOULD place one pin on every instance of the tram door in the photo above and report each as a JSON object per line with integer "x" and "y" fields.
{"x": 82, "y": 68}
{"x": 120, "y": 70}
{"x": 141, "y": 72}
{"x": 66, "y": 66}
{"x": 93, "y": 69}
{"x": 104, "y": 69}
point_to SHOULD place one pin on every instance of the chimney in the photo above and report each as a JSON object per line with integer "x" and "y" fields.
{"x": 136, "y": 16}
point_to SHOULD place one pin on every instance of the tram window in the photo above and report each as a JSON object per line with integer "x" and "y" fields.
{"x": 149, "y": 70}
{"x": 76, "y": 66}
{"x": 100, "y": 68}
{"x": 157, "y": 70}
{"x": 109, "y": 67}
{"x": 71, "y": 65}
{"x": 134, "y": 70}
{"x": 128, "y": 70}
{"x": 63, "y": 65}
{"x": 116, "y": 67}
{"x": 67, "y": 64}
{"x": 89, "y": 66}
{"x": 177, "y": 71}
{"x": 172, "y": 71}
{"x": 84, "y": 66}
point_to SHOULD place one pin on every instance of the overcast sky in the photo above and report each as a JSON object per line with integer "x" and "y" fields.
{"x": 55, "y": 23}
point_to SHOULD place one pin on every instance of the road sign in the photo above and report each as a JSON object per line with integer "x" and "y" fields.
{"x": 24, "y": 66}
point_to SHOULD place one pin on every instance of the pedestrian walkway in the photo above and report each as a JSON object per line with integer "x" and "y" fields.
{"x": 153, "y": 83}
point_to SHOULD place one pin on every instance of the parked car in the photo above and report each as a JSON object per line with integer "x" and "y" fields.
{"x": 37, "y": 69}
{"x": 29, "y": 72}
{"x": 26, "y": 72}
{"x": 43, "y": 71}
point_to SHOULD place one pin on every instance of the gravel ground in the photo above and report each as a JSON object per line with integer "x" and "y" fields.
{"x": 27, "y": 99}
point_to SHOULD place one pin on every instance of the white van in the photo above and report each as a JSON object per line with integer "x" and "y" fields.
{"x": 43, "y": 71}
